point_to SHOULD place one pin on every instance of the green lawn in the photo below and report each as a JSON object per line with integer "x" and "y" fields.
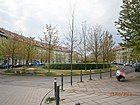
{"x": 43, "y": 71}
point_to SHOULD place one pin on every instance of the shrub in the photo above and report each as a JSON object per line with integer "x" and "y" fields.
{"x": 78, "y": 66}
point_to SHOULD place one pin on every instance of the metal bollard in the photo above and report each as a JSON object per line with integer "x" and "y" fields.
{"x": 55, "y": 86}
{"x": 90, "y": 75}
{"x": 77, "y": 103}
{"x": 57, "y": 95}
{"x": 81, "y": 76}
{"x": 110, "y": 73}
{"x": 100, "y": 74}
{"x": 61, "y": 82}
{"x": 71, "y": 78}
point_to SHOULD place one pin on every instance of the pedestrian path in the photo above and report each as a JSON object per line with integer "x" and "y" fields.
{"x": 20, "y": 95}
{"x": 106, "y": 91}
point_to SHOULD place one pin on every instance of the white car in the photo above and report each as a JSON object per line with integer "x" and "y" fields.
{"x": 126, "y": 64}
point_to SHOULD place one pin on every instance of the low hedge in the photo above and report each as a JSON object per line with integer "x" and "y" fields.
{"x": 78, "y": 66}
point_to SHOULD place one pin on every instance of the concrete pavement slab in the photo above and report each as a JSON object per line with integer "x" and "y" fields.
{"x": 106, "y": 91}
{"x": 18, "y": 95}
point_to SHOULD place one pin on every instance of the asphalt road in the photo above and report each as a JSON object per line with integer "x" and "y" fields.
{"x": 47, "y": 81}
{"x": 30, "y": 90}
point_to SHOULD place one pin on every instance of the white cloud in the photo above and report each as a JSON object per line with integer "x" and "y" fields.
{"x": 31, "y": 15}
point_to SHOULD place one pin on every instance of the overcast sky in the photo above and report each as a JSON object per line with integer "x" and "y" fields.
{"x": 30, "y": 16}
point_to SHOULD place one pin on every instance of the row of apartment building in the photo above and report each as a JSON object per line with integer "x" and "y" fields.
{"x": 60, "y": 54}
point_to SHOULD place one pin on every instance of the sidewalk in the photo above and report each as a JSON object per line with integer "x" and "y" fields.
{"x": 106, "y": 91}
{"x": 20, "y": 95}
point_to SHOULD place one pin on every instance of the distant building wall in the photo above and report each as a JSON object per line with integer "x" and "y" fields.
{"x": 122, "y": 55}
{"x": 60, "y": 54}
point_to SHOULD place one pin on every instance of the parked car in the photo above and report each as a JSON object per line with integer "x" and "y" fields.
{"x": 137, "y": 67}
{"x": 17, "y": 65}
{"x": 37, "y": 63}
{"x": 5, "y": 65}
{"x": 126, "y": 64}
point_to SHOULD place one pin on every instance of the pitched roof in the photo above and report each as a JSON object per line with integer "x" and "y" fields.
{"x": 118, "y": 47}
{"x": 9, "y": 34}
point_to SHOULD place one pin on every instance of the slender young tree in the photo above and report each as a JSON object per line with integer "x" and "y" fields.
{"x": 94, "y": 35}
{"x": 84, "y": 31}
{"x": 107, "y": 47}
{"x": 30, "y": 50}
{"x": 50, "y": 40}
{"x": 82, "y": 48}
{"x": 71, "y": 39}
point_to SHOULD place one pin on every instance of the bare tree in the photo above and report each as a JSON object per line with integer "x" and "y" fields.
{"x": 50, "y": 40}
{"x": 84, "y": 33}
{"x": 107, "y": 47}
{"x": 29, "y": 50}
{"x": 82, "y": 48}
{"x": 94, "y": 35}
{"x": 72, "y": 40}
